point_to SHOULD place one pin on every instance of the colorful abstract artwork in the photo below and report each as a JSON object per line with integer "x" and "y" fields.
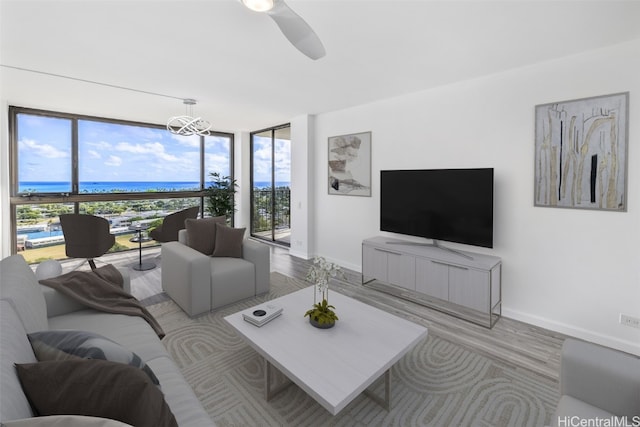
{"x": 350, "y": 164}
{"x": 581, "y": 153}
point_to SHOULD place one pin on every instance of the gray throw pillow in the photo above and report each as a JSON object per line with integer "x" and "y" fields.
{"x": 71, "y": 344}
{"x": 201, "y": 233}
{"x": 97, "y": 388}
{"x": 228, "y": 241}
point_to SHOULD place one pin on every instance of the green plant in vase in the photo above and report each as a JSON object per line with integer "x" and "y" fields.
{"x": 322, "y": 315}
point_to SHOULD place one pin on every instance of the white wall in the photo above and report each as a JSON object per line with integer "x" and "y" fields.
{"x": 569, "y": 270}
{"x": 302, "y": 170}
{"x": 242, "y": 175}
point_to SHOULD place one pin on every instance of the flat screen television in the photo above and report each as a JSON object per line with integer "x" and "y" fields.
{"x": 453, "y": 205}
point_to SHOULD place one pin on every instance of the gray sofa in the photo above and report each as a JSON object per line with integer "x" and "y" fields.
{"x": 199, "y": 283}
{"x": 26, "y": 307}
{"x": 597, "y": 382}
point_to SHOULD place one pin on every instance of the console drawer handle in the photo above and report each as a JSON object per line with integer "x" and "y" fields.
{"x": 387, "y": 251}
{"x": 450, "y": 265}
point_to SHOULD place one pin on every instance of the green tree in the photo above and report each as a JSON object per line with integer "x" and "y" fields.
{"x": 25, "y": 212}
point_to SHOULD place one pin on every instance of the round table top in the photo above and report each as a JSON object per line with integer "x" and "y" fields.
{"x": 140, "y": 240}
{"x": 138, "y": 227}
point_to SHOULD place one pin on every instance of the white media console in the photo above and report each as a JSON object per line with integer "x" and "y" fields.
{"x": 464, "y": 284}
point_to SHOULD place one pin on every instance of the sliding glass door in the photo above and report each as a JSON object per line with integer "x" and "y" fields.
{"x": 270, "y": 183}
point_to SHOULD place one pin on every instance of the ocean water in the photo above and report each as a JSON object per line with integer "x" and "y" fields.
{"x": 120, "y": 186}
{"x": 105, "y": 186}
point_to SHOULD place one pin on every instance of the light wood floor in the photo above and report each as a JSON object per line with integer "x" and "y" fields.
{"x": 515, "y": 343}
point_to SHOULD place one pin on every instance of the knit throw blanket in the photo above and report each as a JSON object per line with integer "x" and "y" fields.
{"x": 101, "y": 289}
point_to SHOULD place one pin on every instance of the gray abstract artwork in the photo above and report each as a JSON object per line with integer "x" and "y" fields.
{"x": 350, "y": 164}
{"x": 581, "y": 153}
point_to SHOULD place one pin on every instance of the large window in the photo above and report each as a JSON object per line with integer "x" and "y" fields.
{"x": 111, "y": 168}
{"x": 132, "y": 158}
{"x": 216, "y": 156}
{"x": 44, "y": 153}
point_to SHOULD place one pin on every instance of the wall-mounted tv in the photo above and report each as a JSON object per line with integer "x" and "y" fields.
{"x": 454, "y": 205}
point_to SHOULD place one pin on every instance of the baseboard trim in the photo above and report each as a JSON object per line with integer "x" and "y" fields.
{"x": 297, "y": 254}
{"x": 341, "y": 263}
{"x": 573, "y": 331}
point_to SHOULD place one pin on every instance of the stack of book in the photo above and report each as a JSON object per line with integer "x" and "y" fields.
{"x": 262, "y": 314}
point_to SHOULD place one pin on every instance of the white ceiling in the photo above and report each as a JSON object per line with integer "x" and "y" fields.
{"x": 245, "y": 74}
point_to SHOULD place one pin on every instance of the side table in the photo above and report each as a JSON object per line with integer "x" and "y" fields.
{"x": 139, "y": 238}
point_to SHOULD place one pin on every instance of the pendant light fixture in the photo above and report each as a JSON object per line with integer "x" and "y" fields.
{"x": 188, "y": 125}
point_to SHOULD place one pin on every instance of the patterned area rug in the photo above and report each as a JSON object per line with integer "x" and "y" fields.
{"x": 438, "y": 383}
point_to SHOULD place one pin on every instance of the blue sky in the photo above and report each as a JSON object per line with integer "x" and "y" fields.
{"x": 113, "y": 152}
{"x": 262, "y": 159}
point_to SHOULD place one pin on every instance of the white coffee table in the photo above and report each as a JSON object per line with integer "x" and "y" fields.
{"x": 332, "y": 365}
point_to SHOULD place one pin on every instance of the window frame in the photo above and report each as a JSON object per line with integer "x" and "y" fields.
{"x": 272, "y": 136}
{"x": 75, "y": 197}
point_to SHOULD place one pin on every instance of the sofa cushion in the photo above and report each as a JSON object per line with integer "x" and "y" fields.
{"x": 228, "y": 241}
{"x": 65, "y": 421}
{"x": 201, "y": 233}
{"x": 232, "y": 279}
{"x": 179, "y": 395}
{"x": 14, "y": 348}
{"x": 73, "y": 344}
{"x": 98, "y": 388}
{"x": 20, "y": 287}
{"x": 130, "y": 332}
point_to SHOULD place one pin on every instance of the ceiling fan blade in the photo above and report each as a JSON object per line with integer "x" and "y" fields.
{"x": 297, "y": 31}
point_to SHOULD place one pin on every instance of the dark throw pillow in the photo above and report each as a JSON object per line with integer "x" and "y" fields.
{"x": 70, "y": 344}
{"x": 97, "y": 388}
{"x": 201, "y": 233}
{"x": 228, "y": 241}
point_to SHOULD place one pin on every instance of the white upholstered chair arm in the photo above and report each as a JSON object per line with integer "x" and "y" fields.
{"x": 126, "y": 278}
{"x": 186, "y": 276}
{"x": 259, "y": 255}
{"x": 183, "y": 237}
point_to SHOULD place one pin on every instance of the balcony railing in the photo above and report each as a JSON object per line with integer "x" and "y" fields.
{"x": 271, "y": 212}
{"x": 39, "y": 234}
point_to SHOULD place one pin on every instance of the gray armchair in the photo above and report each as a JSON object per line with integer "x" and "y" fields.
{"x": 199, "y": 283}
{"x": 171, "y": 224}
{"x": 86, "y": 236}
{"x": 597, "y": 382}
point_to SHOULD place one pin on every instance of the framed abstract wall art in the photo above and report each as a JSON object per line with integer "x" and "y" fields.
{"x": 350, "y": 164}
{"x": 581, "y": 153}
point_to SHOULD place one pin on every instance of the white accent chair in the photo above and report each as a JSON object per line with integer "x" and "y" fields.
{"x": 199, "y": 283}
